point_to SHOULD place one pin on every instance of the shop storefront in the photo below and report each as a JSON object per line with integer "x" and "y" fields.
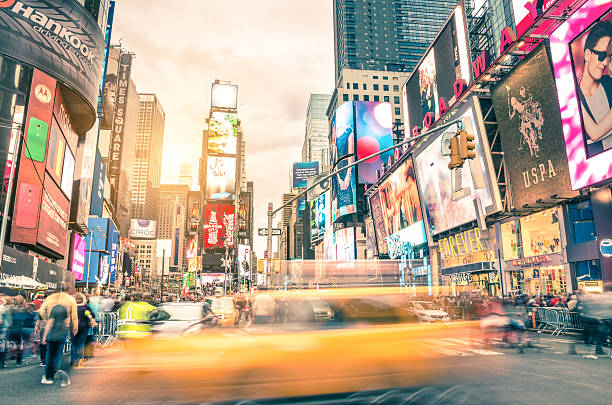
{"x": 532, "y": 249}
{"x": 468, "y": 263}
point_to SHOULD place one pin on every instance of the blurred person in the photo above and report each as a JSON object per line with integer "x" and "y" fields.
{"x": 134, "y": 318}
{"x": 27, "y": 322}
{"x": 87, "y": 321}
{"x": 595, "y": 314}
{"x": 54, "y": 336}
{"x": 39, "y": 330}
{"x": 5, "y": 325}
{"x": 264, "y": 308}
{"x": 108, "y": 303}
{"x": 239, "y": 304}
{"x": 572, "y": 303}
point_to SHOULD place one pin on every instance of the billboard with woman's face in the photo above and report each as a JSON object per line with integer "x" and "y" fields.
{"x": 581, "y": 50}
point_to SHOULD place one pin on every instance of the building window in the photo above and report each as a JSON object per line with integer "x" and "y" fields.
{"x": 366, "y": 97}
{"x": 582, "y": 225}
{"x": 355, "y": 86}
{"x": 356, "y": 97}
{"x": 376, "y": 98}
{"x": 397, "y": 111}
{"x": 374, "y": 77}
{"x": 588, "y": 270}
{"x": 386, "y": 99}
{"x": 385, "y": 77}
{"x": 396, "y": 100}
{"x": 365, "y": 86}
{"x": 395, "y": 88}
{"x": 385, "y": 87}
{"x": 376, "y": 87}
{"x": 345, "y": 97}
{"x": 348, "y": 85}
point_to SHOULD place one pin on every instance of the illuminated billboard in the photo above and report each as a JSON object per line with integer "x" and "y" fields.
{"x": 343, "y": 190}
{"x": 342, "y": 132}
{"x": 378, "y": 221}
{"x": 224, "y": 96}
{"x": 374, "y": 130}
{"x": 370, "y": 238}
{"x": 143, "y": 229}
{"x": 53, "y": 220}
{"x": 448, "y": 195}
{"x": 77, "y": 261}
{"x": 302, "y": 171}
{"x": 191, "y": 250}
{"x": 222, "y": 133}
{"x": 220, "y": 178}
{"x": 580, "y": 50}
{"x": 344, "y": 241}
{"x": 219, "y": 223}
{"x": 529, "y": 122}
{"x": 401, "y": 206}
{"x": 441, "y": 76}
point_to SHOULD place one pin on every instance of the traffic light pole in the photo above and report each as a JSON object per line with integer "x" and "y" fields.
{"x": 272, "y": 212}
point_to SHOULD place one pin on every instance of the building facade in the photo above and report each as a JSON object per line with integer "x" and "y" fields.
{"x": 316, "y": 139}
{"x": 385, "y": 35}
{"x": 172, "y": 220}
{"x": 186, "y": 174}
{"x": 147, "y": 165}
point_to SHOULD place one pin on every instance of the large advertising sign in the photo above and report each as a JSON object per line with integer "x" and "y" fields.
{"x": 142, "y": 229}
{"x": 448, "y": 195}
{"x": 219, "y": 223}
{"x": 119, "y": 116}
{"x": 97, "y": 192}
{"x": 224, "y": 96}
{"x": 302, "y": 171}
{"x": 110, "y": 88}
{"x": 344, "y": 241}
{"x": 370, "y": 238}
{"x": 378, "y": 220}
{"x": 342, "y": 132}
{"x": 344, "y": 190}
{"x": 53, "y": 220}
{"x": 24, "y": 227}
{"x": 374, "y": 127}
{"x": 401, "y": 206}
{"x": 323, "y": 213}
{"x": 580, "y": 50}
{"x": 77, "y": 261}
{"x": 191, "y": 250}
{"x": 222, "y": 133}
{"x": 59, "y": 37}
{"x": 220, "y": 178}
{"x": 244, "y": 211}
{"x": 529, "y": 122}
{"x": 441, "y": 76}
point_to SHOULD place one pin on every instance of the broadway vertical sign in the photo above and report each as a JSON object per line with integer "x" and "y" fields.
{"x": 123, "y": 84}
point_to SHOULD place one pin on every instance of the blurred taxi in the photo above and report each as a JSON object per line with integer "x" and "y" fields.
{"x": 361, "y": 348}
{"x": 224, "y": 309}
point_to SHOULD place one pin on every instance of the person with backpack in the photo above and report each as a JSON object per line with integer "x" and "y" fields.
{"x": 87, "y": 320}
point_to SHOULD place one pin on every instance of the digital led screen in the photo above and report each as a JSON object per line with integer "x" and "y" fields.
{"x": 344, "y": 190}
{"x": 580, "y": 50}
{"x": 342, "y": 132}
{"x": 302, "y": 171}
{"x": 191, "y": 250}
{"x": 53, "y": 220}
{"x": 370, "y": 238}
{"x": 374, "y": 128}
{"x": 526, "y": 105}
{"x": 224, "y": 96}
{"x": 219, "y": 220}
{"x": 222, "y": 133}
{"x": 68, "y": 173}
{"x": 220, "y": 178}
{"x": 77, "y": 263}
{"x": 401, "y": 207}
{"x": 344, "y": 241}
{"x": 430, "y": 90}
{"x": 448, "y": 195}
{"x": 323, "y": 213}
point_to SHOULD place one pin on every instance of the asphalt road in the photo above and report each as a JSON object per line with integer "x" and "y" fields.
{"x": 545, "y": 376}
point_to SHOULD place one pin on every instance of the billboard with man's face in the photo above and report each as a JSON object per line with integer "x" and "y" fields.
{"x": 581, "y": 57}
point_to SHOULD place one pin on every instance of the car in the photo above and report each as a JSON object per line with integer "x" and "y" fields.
{"x": 322, "y": 310}
{"x": 426, "y": 312}
{"x": 182, "y": 318}
{"x": 223, "y": 308}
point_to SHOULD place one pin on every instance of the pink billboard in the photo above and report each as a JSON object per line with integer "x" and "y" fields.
{"x": 77, "y": 263}
{"x": 580, "y": 50}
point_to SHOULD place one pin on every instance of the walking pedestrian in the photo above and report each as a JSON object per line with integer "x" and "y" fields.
{"x": 87, "y": 320}
{"x": 5, "y": 325}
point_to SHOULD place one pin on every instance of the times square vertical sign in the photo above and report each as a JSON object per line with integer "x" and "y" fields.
{"x": 119, "y": 118}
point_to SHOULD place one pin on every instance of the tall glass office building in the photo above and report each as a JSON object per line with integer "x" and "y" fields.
{"x": 386, "y": 34}
{"x": 316, "y": 140}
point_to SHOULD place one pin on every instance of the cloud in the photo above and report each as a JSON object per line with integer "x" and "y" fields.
{"x": 278, "y": 52}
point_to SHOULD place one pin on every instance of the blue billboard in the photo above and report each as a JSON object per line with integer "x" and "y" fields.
{"x": 302, "y": 171}
{"x": 101, "y": 251}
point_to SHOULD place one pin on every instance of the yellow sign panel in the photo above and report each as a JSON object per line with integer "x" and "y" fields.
{"x": 261, "y": 265}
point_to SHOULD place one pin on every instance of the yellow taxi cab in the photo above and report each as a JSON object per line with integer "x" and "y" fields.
{"x": 223, "y": 308}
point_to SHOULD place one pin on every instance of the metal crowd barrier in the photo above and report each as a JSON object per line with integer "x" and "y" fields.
{"x": 107, "y": 328}
{"x": 558, "y": 320}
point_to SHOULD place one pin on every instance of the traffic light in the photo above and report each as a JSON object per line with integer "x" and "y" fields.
{"x": 455, "y": 154}
{"x": 468, "y": 147}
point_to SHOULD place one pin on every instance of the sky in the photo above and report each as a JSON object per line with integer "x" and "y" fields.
{"x": 278, "y": 52}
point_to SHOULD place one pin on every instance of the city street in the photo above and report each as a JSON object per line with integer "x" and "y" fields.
{"x": 549, "y": 376}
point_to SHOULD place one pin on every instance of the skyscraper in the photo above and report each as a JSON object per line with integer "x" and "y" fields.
{"x": 316, "y": 139}
{"x": 171, "y": 220}
{"x": 147, "y": 165}
{"x": 387, "y": 35}
{"x": 185, "y": 174}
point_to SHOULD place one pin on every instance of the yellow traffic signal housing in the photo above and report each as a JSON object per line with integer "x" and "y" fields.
{"x": 468, "y": 147}
{"x": 455, "y": 154}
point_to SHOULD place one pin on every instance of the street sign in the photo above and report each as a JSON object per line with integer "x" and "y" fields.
{"x": 264, "y": 232}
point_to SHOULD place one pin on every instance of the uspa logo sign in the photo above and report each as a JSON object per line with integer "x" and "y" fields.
{"x": 142, "y": 229}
